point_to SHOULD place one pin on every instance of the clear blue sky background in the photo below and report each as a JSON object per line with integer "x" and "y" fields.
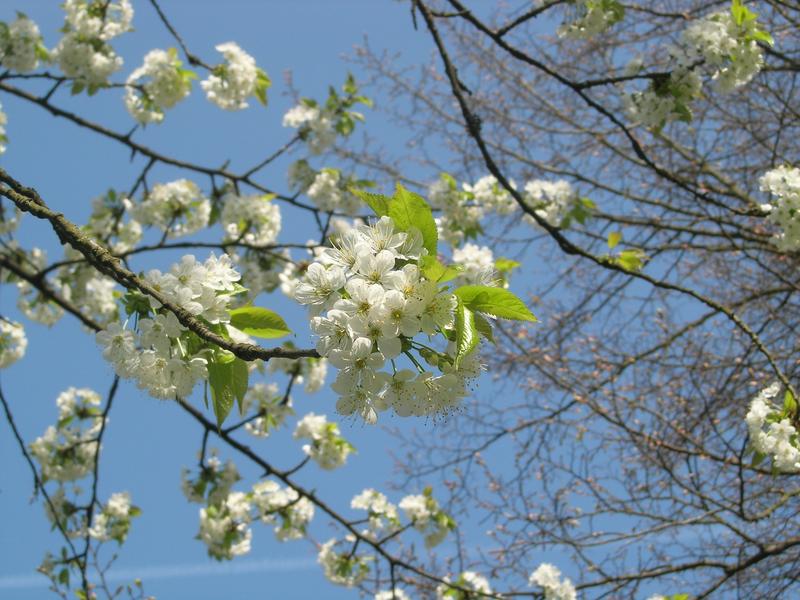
{"x": 150, "y": 441}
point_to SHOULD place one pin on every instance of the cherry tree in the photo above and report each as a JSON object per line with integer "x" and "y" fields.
{"x": 627, "y": 168}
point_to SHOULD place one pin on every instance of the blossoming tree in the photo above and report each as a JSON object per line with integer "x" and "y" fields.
{"x": 641, "y": 138}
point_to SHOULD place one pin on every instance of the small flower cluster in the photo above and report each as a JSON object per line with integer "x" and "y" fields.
{"x": 327, "y": 447}
{"x": 593, "y": 17}
{"x": 382, "y": 514}
{"x": 343, "y": 567}
{"x": 13, "y": 342}
{"x": 31, "y": 302}
{"x": 780, "y": 440}
{"x": 177, "y": 208}
{"x": 427, "y": 517}
{"x": 468, "y": 580}
{"x": 551, "y": 200}
{"x": 253, "y": 220}
{"x": 84, "y": 53}
{"x": 784, "y": 211}
{"x": 165, "y": 358}
{"x": 330, "y": 192}
{"x": 67, "y": 451}
{"x": 477, "y": 265}
{"x": 160, "y": 83}
{"x": 233, "y": 82}
{"x": 723, "y": 45}
{"x": 667, "y": 99}
{"x": 106, "y": 222}
{"x": 461, "y": 214}
{"x": 270, "y": 407}
{"x": 548, "y": 578}
{"x": 318, "y": 125}
{"x": 315, "y": 126}
{"x": 226, "y": 518}
{"x": 21, "y": 45}
{"x": 727, "y": 45}
{"x": 114, "y": 519}
{"x": 86, "y": 288}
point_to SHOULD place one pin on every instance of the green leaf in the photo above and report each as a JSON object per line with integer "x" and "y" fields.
{"x": 484, "y": 327}
{"x": 263, "y": 82}
{"x": 259, "y": 322}
{"x": 506, "y": 265}
{"x": 408, "y": 210}
{"x": 631, "y": 260}
{"x": 789, "y": 403}
{"x": 614, "y": 238}
{"x": 466, "y": 332}
{"x": 77, "y": 88}
{"x": 433, "y": 270}
{"x": 240, "y": 375}
{"x": 494, "y": 301}
{"x": 377, "y": 202}
{"x": 220, "y": 380}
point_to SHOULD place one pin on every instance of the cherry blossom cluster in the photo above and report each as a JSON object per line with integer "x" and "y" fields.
{"x": 724, "y": 45}
{"x": 772, "y": 433}
{"x": 330, "y": 192}
{"x": 784, "y": 210}
{"x": 592, "y": 17}
{"x": 31, "y": 302}
{"x": 461, "y": 211}
{"x": 226, "y": 518}
{"x": 254, "y": 220}
{"x": 394, "y": 594}
{"x": 318, "y": 125}
{"x": 13, "y": 342}
{"x": 468, "y": 580}
{"x": 382, "y": 517}
{"x": 727, "y": 45}
{"x": 315, "y": 126}
{"x": 67, "y": 451}
{"x": 368, "y": 299}
{"x": 548, "y": 577}
{"x": 86, "y": 288}
{"x": 114, "y": 519}
{"x": 106, "y": 222}
{"x": 326, "y": 445}
{"x": 270, "y": 407}
{"x": 164, "y": 357}
{"x": 178, "y": 208}
{"x": 160, "y": 83}
{"x": 344, "y": 567}
{"x": 21, "y": 45}
{"x": 550, "y": 200}
{"x": 234, "y": 81}
{"x": 427, "y": 517}
{"x": 84, "y": 53}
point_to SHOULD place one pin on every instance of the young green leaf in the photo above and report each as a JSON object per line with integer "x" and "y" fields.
{"x": 408, "y": 210}
{"x": 494, "y": 301}
{"x": 259, "y": 322}
{"x": 240, "y": 376}
{"x": 614, "y": 238}
{"x": 466, "y": 332}
{"x": 377, "y": 202}
{"x": 220, "y": 380}
{"x": 484, "y": 327}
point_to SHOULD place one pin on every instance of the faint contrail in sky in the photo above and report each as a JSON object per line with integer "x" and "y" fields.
{"x": 175, "y": 571}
